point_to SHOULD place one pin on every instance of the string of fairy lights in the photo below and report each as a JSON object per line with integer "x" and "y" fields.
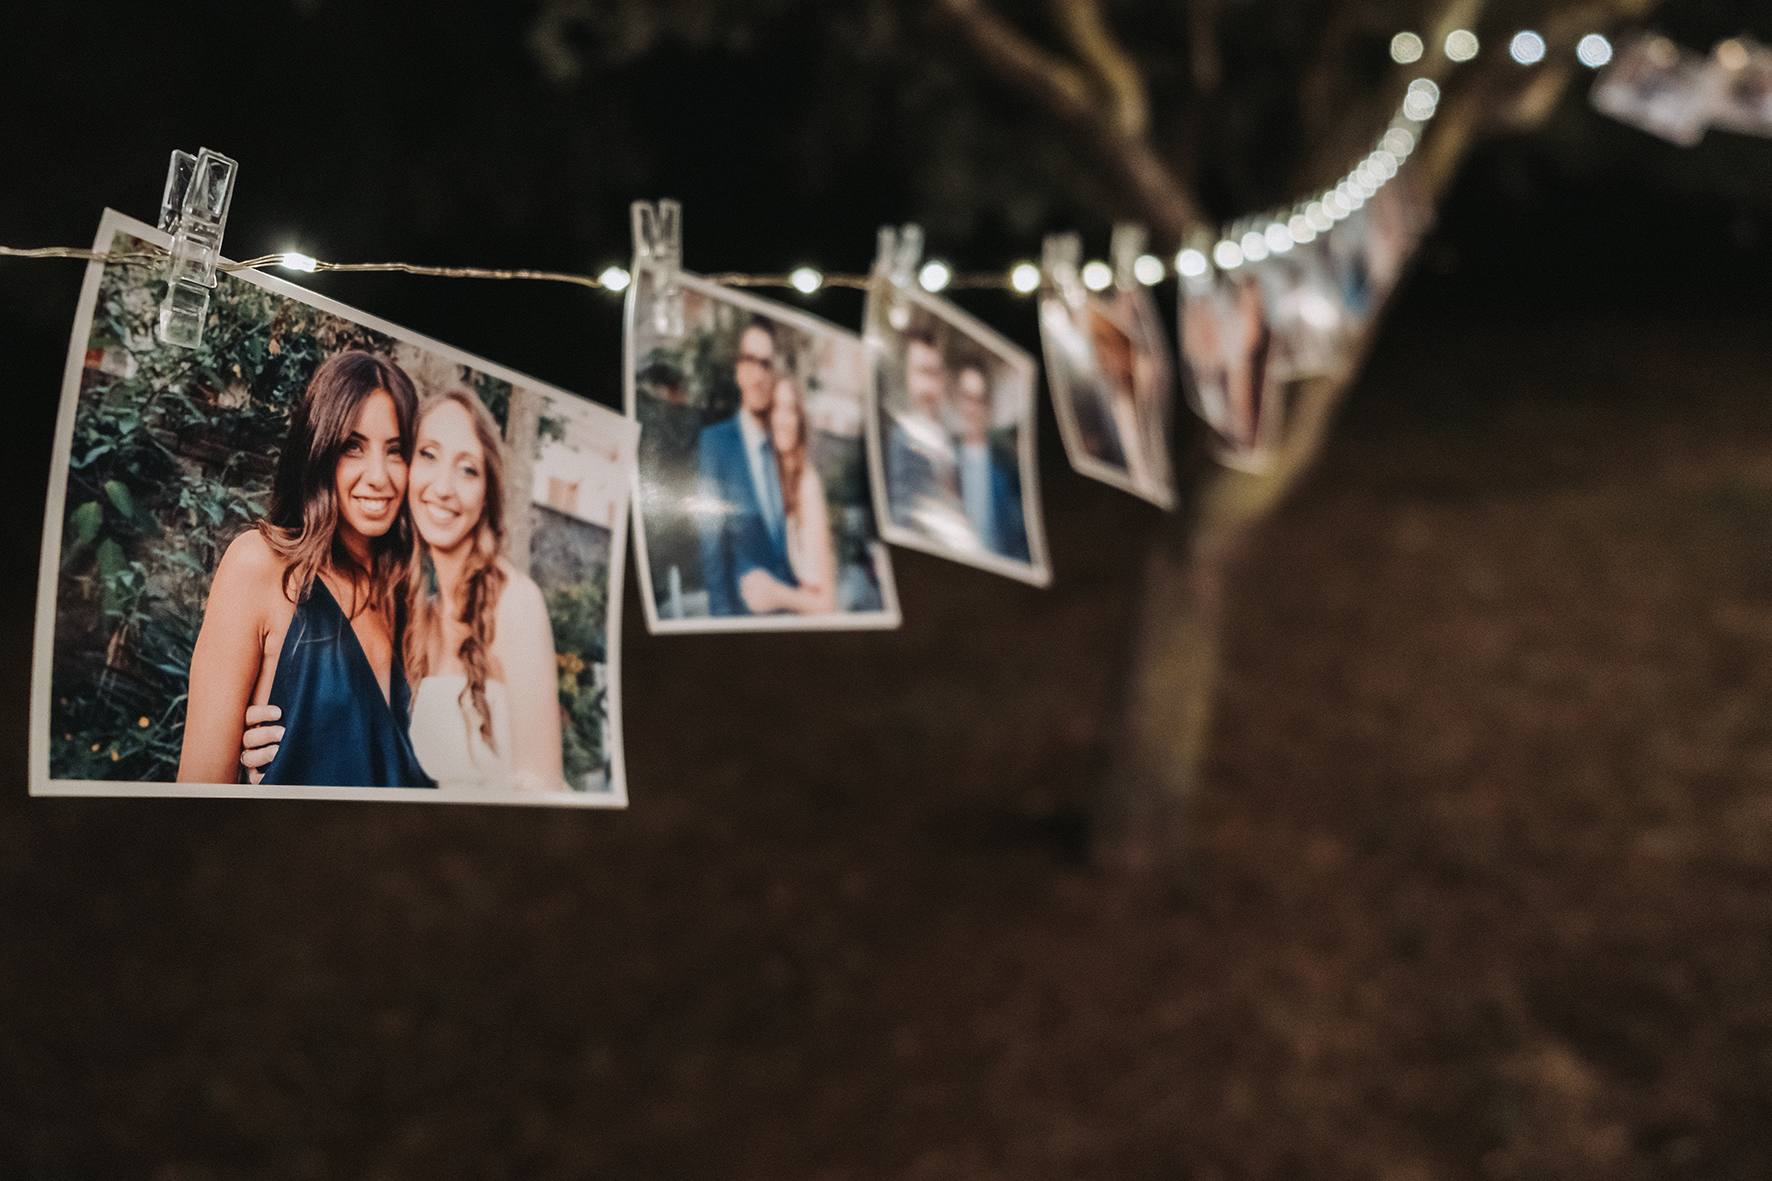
{"x": 1249, "y": 239}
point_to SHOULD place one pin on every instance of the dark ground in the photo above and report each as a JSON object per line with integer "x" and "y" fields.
{"x": 1483, "y": 885}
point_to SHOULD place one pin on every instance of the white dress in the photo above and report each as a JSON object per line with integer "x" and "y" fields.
{"x": 446, "y": 734}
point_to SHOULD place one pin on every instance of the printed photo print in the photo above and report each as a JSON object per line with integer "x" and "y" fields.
{"x": 1112, "y": 389}
{"x": 755, "y": 511}
{"x": 951, "y": 436}
{"x": 1660, "y": 87}
{"x": 321, "y": 557}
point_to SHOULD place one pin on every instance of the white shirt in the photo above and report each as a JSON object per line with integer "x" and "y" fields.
{"x": 754, "y": 438}
{"x": 975, "y": 488}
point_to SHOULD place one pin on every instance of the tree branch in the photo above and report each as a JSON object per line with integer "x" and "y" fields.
{"x": 1108, "y": 109}
{"x": 1121, "y": 82}
{"x": 1046, "y": 77}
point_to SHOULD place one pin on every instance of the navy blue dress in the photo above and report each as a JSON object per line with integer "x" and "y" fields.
{"x": 340, "y": 731}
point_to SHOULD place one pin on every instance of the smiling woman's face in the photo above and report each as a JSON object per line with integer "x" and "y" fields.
{"x": 371, "y": 473}
{"x": 448, "y": 478}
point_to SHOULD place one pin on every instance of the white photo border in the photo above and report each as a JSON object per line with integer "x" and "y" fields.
{"x": 885, "y": 619}
{"x": 1037, "y": 571}
{"x": 61, "y": 456}
{"x": 1058, "y": 384}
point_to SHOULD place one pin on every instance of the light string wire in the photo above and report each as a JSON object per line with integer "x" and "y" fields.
{"x": 1247, "y": 239}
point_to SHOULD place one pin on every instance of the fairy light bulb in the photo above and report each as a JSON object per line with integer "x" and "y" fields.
{"x": 806, "y": 280}
{"x": 934, "y": 276}
{"x": 1191, "y": 263}
{"x": 615, "y": 279}
{"x": 1228, "y": 255}
{"x": 1097, "y": 275}
{"x": 1148, "y": 269}
{"x": 294, "y": 260}
{"x": 1593, "y": 51}
{"x": 1024, "y": 277}
{"x": 1461, "y": 45}
{"x": 1527, "y": 48}
{"x": 1406, "y": 48}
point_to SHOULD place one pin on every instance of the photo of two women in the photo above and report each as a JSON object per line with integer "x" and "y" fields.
{"x": 386, "y": 603}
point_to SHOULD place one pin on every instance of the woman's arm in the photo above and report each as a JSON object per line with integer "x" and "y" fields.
{"x": 819, "y": 594}
{"x": 227, "y": 660}
{"x": 525, "y": 646}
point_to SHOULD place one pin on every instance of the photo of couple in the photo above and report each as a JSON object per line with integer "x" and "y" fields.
{"x": 951, "y": 439}
{"x": 1112, "y": 389}
{"x": 318, "y": 552}
{"x": 755, "y": 511}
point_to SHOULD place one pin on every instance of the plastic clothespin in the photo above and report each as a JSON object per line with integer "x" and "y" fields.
{"x": 1127, "y": 244}
{"x": 194, "y": 210}
{"x": 658, "y": 254}
{"x": 900, "y": 252}
{"x": 1059, "y": 263}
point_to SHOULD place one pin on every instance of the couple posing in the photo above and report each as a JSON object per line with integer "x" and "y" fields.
{"x": 765, "y": 527}
{"x": 377, "y": 570}
{"x": 961, "y": 488}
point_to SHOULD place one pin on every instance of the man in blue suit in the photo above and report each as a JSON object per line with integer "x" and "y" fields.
{"x": 990, "y": 475}
{"x": 740, "y": 516}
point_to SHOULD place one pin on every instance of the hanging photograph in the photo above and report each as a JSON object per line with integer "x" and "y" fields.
{"x": 1227, "y": 349}
{"x": 1744, "y": 98}
{"x": 951, "y": 437}
{"x": 321, "y": 557}
{"x": 1112, "y": 388}
{"x": 1659, "y": 87}
{"x": 754, "y": 508}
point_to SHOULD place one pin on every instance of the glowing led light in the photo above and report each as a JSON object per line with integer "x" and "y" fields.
{"x": 1731, "y": 54}
{"x": 1425, "y": 86}
{"x": 615, "y": 279}
{"x": 1191, "y": 264}
{"x": 1097, "y": 275}
{"x": 1461, "y": 45}
{"x": 1148, "y": 269}
{"x": 1279, "y": 238}
{"x": 1254, "y": 246}
{"x": 1593, "y": 51}
{"x": 1398, "y": 142}
{"x": 1301, "y": 229}
{"x": 1335, "y": 207}
{"x": 1351, "y": 198}
{"x": 1418, "y": 106}
{"x": 1527, "y": 47}
{"x": 1366, "y": 177}
{"x": 1406, "y": 48}
{"x": 1228, "y": 255}
{"x": 934, "y": 276}
{"x": 293, "y": 261}
{"x": 1320, "y": 219}
{"x": 1025, "y": 277}
{"x": 806, "y": 280}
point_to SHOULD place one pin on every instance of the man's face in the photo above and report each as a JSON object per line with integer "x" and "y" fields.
{"x": 925, "y": 378}
{"x": 755, "y": 371}
{"x": 974, "y": 400}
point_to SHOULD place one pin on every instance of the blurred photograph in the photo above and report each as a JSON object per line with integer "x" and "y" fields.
{"x": 951, "y": 436}
{"x": 1112, "y": 388}
{"x": 1227, "y": 345}
{"x": 754, "y": 506}
{"x": 1744, "y": 94}
{"x": 321, "y": 556}
{"x": 1659, "y": 87}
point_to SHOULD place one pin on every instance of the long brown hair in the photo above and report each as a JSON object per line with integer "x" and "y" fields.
{"x": 302, "y": 526}
{"x": 483, "y": 583}
{"x": 789, "y": 465}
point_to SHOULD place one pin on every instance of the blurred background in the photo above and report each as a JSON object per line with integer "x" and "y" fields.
{"x": 1483, "y": 885}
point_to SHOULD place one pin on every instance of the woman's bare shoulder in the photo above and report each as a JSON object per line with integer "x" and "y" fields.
{"x": 250, "y": 562}
{"x": 521, "y": 599}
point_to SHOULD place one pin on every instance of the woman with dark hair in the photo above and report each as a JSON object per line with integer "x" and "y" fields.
{"x": 806, "y": 519}
{"x": 305, "y": 612}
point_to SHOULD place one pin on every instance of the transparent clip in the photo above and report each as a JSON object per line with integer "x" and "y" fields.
{"x": 1058, "y": 262}
{"x": 1128, "y": 243}
{"x": 194, "y": 210}
{"x": 900, "y": 252}
{"x": 658, "y": 254}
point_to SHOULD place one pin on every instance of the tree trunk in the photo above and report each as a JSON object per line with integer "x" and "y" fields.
{"x": 1141, "y": 817}
{"x": 522, "y": 429}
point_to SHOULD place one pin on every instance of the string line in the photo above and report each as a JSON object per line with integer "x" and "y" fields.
{"x": 156, "y": 257}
